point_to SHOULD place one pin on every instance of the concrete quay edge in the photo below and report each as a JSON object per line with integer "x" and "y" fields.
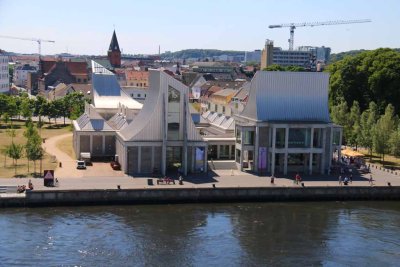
{"x": 200, "y": 195}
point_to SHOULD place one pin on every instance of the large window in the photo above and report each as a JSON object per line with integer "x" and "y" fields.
{"x": 299, "y": 137}
{"x": 280, "y": 138}
{"x": 248, "y": 138}
{"x": 174, "y": 114}
{"x": 317, "y": 139}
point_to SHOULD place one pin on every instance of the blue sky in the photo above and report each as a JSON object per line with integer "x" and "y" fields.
{"x": 85, "y": 27}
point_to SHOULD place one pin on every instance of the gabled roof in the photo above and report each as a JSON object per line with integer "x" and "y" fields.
{"x": 288, "y": 96}
{"x": 90, "y": 120}
{"x": 114, "y": 46}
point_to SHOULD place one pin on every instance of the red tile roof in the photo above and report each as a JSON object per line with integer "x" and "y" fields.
{"x": 136, "y": 75}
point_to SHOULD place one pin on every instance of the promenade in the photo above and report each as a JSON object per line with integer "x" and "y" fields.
{"x": 101, "y": 176}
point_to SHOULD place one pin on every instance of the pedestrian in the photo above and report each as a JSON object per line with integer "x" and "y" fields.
{"x": 297, "y": 178}
{"x": 272, "y": 179}
{"x": 351, "y": 178}
{"x": 340, "y": 180}
{"x": 180, "y": 180}
{"x": 346, "y": 180}
{"x": 370, "y": 179}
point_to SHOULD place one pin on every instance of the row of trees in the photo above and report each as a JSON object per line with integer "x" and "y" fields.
{"x": 378, "y": 132}
{"x": 32, "y": 149}
{"x": 71, "y": 106}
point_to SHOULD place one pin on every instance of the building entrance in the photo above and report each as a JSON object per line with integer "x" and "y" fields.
{"x": 174, "y": 158}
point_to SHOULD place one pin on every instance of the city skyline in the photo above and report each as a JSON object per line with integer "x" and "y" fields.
{"x": 141, "y": 27}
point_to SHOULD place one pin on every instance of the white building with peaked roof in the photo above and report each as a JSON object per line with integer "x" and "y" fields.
{"x": 285, "y": 126}
{"x": 156, "y": 137}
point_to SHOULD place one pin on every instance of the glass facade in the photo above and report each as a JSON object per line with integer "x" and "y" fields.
{"x": 174, "y": 114}
{"x": 248, "y": 137}
{"x": 299, "y": 137}
{"x": 280, "y": 138}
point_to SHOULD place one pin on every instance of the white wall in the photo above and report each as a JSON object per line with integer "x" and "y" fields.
{"x": 4, "y": 80}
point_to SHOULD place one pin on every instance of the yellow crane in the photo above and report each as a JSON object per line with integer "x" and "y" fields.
{"x": 39, "y": 41}
{"x": 293, "y": 26}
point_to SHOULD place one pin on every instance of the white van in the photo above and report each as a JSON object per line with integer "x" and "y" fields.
{"x": 81, "y": 164}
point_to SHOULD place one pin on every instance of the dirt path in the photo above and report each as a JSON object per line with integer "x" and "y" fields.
{"x": 68, "y": 168}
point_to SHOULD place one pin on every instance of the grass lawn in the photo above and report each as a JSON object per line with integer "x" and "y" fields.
{"x": 7, "y": 167}
{"x": 390, "y": 161}
{"x": 65, "y": 145}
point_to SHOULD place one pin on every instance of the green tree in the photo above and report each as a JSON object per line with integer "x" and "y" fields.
{"x": 395, "y": 142}
{"x": 15, "y": 152}
{"x": 383, "y": 132}
{"x": 26, "y": 108}
{"x": 274, "y": 67}
{"x": 353, "y": 123}
{"x": 365, "y": 77}
{"x": 340, "y": 116}
{"x": 33, "y": 148}
{"x": 367, "y": 126}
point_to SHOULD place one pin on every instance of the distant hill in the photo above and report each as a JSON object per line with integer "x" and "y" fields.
{"x": 200, "y": 53}
{"x": 340, "y": 56}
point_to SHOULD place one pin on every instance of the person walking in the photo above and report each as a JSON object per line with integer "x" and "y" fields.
{"x": 351, "y": 178}
{"x": 370, "y": 180}
{"x": 297, "y": 178}
{"x": 272, "y": 179}
{"x": 340, "y": 180}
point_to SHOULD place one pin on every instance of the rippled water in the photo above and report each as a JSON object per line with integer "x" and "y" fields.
{"x": 248, "y": 234}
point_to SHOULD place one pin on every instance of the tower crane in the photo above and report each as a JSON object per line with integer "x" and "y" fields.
{"x": 39, "y": 41}
{"x": 293, "y": 26}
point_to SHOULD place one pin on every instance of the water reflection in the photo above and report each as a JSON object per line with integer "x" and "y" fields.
{"x": 251, "y": 234}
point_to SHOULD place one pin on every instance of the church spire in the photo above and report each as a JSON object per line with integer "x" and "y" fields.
{"x": 114, "y": 46}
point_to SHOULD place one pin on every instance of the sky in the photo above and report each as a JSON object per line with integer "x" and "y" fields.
{"x": 86, "y": 26}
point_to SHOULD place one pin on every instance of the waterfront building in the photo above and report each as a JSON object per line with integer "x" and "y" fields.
{"x": 285, "y": 126}
{"x": 4, "y": 78}
{"x": 158, "y": 138}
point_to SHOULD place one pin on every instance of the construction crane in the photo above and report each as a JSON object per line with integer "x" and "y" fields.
{"x": 293, "y": 26}
{"x": 39, "y": 41}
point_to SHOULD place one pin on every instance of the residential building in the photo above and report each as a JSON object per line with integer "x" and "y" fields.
{"x": 222, "y": 71}
{"x": 21, "y": 74}
{"x": 4, "y": 78}
{"x": 220, "y": 101}
{"x": 285, "y": 126}
{"x": 137, "y": 78}
{"x": 53, "y": 72}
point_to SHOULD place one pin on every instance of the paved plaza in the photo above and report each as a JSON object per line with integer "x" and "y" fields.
{"x": 102, "y": 176}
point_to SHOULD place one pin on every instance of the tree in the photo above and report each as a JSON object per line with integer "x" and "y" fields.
{"x": 354, "y": 125}
{"x": 383, "y": 131}
{"x": 367, "y": 126}
{"x": 340, "y": 116}
{"x": 33, "y": 148}
{"x": 368, "y": 76}
{"x": 14, "y": 151}
{"x": 26, "y": 108}
{"x": 274, "y": 67}
{"x": 39, "y": 107}
{"x": 395, "y": 142}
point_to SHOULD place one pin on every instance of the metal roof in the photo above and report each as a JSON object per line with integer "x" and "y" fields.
{"x": 107, "y": 92}
{"x": 288, "y": 96}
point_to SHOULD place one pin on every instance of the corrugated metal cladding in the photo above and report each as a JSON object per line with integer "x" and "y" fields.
{"x": 288, "y": 96}
{"x": 149, "y": 123}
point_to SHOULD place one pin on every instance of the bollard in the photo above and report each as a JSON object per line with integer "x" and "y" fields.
{"x": 60, "y": 164}
{"x": 119, "y": 187}
{"x": 302, "y": 184}
{"x": 389, "y": 184}
{"x": 213, "y": 185}
{"x": 232, "y": 172}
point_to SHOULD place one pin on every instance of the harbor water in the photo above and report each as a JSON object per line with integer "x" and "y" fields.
{"x": 238, "y": 234}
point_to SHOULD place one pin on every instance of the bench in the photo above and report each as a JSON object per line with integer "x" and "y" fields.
{"x": 165, "y": 181}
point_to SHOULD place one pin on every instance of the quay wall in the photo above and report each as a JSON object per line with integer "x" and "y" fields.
{"x": 200, "y": 195}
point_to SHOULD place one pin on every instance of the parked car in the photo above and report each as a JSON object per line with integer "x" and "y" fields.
{"x": 81, "y": 164}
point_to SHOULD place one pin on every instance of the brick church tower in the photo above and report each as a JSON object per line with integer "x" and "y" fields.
{"x": 114, "y": 54}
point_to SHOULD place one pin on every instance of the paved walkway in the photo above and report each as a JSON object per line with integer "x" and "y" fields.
{"x": 101, "y": 176}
